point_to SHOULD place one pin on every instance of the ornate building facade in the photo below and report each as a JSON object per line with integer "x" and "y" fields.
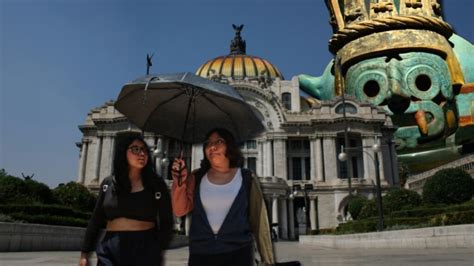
{"x": 296, "y": 157}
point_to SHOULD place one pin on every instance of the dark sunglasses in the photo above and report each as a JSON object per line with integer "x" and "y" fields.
{"x": 137, "y": 150}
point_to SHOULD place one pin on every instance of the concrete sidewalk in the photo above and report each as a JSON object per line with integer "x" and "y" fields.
{"x": 307, "y": 254}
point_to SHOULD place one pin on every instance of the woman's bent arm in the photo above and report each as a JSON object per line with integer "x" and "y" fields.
{"x": 183, "y": 196}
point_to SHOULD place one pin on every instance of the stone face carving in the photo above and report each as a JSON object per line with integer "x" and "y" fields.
{"x": 412, "y": 71}
{"x": 382, "y": 7}
{"x": 406, "y": 87}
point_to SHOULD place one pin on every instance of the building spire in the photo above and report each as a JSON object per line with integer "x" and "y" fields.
{"x": 237, "y": 45}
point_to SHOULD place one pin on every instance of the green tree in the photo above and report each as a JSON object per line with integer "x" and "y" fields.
{"x": 399, "y": 199}
{"x": 448, "y": 186}
{"x": 355, "y": 205}
{"x": 39, "y": 192}
{"x": 12, "y": 189}
{"x": 75, "y": 195}
{"x": 3, "y": 172}
{"x": 368, "y": 210}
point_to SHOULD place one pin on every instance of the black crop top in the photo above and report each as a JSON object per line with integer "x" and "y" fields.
{"x": 137, "y": 205}
{"x": 143, "y": 205}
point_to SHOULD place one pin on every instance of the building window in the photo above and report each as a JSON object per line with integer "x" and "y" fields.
{"x": 307, "y": 168}
{"x": 349, "y": 108}
{"x": 286, "y": 99}
{"x": 296, "y": 168}
{"x": 252, "y": 164}
{"x": 355, "y": 158}
{"x": 298, "y": 159}
{"x": 251, "y": 144}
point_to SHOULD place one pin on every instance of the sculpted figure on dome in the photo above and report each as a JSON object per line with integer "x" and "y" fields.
{"x": 238, "y": 45}
{"x": 402, "y": 56}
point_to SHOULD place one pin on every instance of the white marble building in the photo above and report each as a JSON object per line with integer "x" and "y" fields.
{"x": 304, "y": 183}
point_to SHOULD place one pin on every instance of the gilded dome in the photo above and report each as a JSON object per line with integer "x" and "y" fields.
{"x": 238, "y": 65}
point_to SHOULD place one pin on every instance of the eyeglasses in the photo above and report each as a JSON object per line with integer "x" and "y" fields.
{"x": 137, "y": 150}
{"x": 216, "y": 143}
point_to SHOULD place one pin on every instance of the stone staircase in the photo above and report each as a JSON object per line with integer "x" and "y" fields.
{"x": 416, "y": 182}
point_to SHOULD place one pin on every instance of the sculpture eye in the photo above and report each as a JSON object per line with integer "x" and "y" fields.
{"x": 371, "y": 88}
{"x": 423, "y": 82}
{"x": 427, "y": 76}
{"x": 370, "y": 85}
{"x": 367, "y": 80}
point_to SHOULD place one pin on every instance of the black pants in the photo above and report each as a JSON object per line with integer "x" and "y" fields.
{"x": 129, "y": 248}
{"x": 241, "y": 257}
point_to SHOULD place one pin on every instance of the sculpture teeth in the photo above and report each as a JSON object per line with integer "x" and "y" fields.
{"x": 420, "y": 117}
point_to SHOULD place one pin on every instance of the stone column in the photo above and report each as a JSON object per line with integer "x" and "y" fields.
{"x": 330, "y": 157}
{"x": 291, "y": 219}
{"x": 106, "y": 155}
{"x": 313, "y": 161}
{"x": 312, "y": 214}
{"x": 260, "y": 158}
{"x": 319, "y": 160}
{"x": 98, "y": 152}
{"x": 275, "y": 212}
{"x": 82, "y": 162}
{"x": 267, "y": 158}
{"x": 112, "y": 155}
{"x": 369, "y": 167}
{"x": 283, "y": 219}
{"x": 382, "y": 166}
{"x": 279, "y": 155}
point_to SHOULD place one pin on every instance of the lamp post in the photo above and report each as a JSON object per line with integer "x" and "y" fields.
{"x": 376, "y": 148}
{"x": 338, "y": 66}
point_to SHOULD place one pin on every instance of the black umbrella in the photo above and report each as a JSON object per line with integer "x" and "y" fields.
{"x": 185, "y": 107}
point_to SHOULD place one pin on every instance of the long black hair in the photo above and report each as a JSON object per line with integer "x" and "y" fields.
{"x": 121, "y": 167}
{"x": 233, "y": 152}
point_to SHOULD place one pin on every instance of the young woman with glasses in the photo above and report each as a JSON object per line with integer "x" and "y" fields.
{"x": 226, "y": 204}
{"x": 135, "y": 207}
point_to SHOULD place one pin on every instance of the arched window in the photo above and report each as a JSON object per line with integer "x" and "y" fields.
{"x": 349, "y": 108}
{"x": 286, "y": 99}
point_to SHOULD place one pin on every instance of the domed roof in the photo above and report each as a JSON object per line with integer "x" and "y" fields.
{"x": 238, "y": 64}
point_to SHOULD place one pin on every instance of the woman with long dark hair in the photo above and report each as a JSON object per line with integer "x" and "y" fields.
{"x": 227, "y": 206}
{"x": 135, "y": 207}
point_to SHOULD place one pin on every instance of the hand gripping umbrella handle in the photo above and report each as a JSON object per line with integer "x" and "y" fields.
{"x": 181, "y": 168}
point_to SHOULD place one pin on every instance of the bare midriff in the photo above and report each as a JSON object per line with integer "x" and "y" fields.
{"x": 126, "y": 224}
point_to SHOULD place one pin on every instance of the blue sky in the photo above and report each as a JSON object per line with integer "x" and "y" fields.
{"x": 61, "y": 58}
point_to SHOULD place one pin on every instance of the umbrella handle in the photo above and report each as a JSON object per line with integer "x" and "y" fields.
{"x": 180, "y": 169}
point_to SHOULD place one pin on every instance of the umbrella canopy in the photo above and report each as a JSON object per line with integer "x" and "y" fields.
{"x": 185, "y": 107}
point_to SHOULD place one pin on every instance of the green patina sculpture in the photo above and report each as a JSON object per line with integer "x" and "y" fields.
{"x": 401, "y": 56}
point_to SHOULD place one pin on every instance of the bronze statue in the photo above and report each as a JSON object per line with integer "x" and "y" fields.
{"x": 148, "y": 63}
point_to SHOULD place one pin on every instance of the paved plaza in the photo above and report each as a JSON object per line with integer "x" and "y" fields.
{"x": 308, "y": 255}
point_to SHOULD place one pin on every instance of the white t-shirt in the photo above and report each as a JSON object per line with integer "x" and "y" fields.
{"x": 217, "y": 199}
